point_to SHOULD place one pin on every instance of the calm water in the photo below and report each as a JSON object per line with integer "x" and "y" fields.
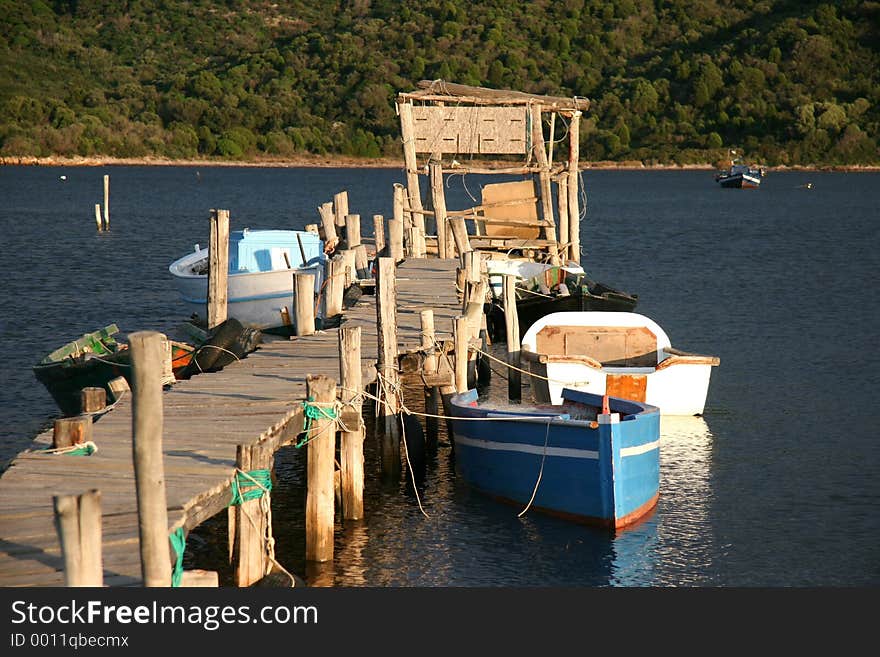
{"x": 777, "y": 485}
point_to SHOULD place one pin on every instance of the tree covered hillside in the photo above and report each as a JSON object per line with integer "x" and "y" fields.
{"x": 787, "y": 81}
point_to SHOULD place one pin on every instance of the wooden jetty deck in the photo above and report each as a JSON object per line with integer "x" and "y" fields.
{"x": 205, "y": 419}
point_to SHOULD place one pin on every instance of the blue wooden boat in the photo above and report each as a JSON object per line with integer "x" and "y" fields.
{"x": 593, "y": 459}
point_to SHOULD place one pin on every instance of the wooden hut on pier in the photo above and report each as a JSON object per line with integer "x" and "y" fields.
{"x": 451, "y": 128}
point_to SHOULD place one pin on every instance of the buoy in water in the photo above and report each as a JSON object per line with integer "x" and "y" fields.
{"x": 63, "y": 177}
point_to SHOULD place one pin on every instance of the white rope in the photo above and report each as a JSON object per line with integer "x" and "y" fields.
{"x": 540, "y": 473}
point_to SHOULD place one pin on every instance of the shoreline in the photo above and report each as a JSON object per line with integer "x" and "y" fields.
{"x": 346, "y": 162}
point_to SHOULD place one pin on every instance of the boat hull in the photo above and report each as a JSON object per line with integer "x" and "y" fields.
{"x": 65, "y": 380}
{"x": 604, "y": 472}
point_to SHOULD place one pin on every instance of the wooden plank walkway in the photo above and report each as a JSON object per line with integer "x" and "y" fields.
{"x": 205, "y": 418}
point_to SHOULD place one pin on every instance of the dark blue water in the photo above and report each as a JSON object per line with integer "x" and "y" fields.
{"x": 777, "y": 485}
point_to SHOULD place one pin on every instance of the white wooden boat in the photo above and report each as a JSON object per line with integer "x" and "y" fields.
{"x": 260, "y": 279}
{"x": 622, "y": 354}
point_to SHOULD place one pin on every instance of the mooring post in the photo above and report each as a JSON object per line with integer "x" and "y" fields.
{"x": 149, "y": 471}
{"x": 386, "y": 315}
{"x": 92, "y": 399}
{"x": 218, "y": 268}
{"x": 396, "y": 224}
{"x": 106, "y": 201}
{"x": 69, "y": 431}
{"x": 562, "y": 208}
{"x": 353, "y": 231}
{"x": 379, "y": 234}
{"x": 574, "y": 230}
{"x": 321, "y": 392}
{"x": 328, "y": 224}
{"x": 98, "y": 217}
{"x": 78, "y": 523}
{"x": 249, "y": 549}
{"x": 351, "y": 447}
{"x": 511, "y": 325}
{"x": 462, "y": 338}
{"x": 304, "y": 292}
{"x": 335, "y": 288}
{"x": 340, "y": 212}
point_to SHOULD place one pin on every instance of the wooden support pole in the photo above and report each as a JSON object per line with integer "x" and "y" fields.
{"x": 328, "y": 225}
{"x": 351, "y": 445}
{"x": 395, "y": 226}
{"x": 335, "y": 288}
{"x": 573, "y": 169}
{"x": 149, "y": 471}
{"x": 106, "y": 202}
{"x": 462, "y": 338}
{"x": 348, "y": 267}
{"x": 562, "y": 205}
{"x": 249, "y": 549}
{"x": 379, "y": 233}
{"x": 70, "y": 431}
{"x": 352, "y": 230}
{"x": 304, "y": 297}
{"x": 78, "y": 523}
{"x": 475, "y": 298}
{"x": 538, "y": 148}
{"x": 511, "y": 324}
{"x": 407, "y": 130}
{"x": 438, "y": 197}
{"x": 98, "y": 217}
{"x": 386, "y": 316}
{"x": 92, "y": 399}
{"x": 321, "y": 390}
{"x": 218, "y": 268}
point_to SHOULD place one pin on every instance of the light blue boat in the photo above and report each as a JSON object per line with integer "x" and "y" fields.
{"x": 572, "y": 460}
{"x": 260, "y": 279}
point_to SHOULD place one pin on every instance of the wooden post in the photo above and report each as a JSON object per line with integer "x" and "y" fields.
{"x": 313, "y": 228}
{"x": 106, "y": 202}
{"x": 407, "y": 130}
{"x": 353, "y": 235}
{"x": 78, "y": 523}
{"x": 328, "y": 223}
{"x": 379, "y": 232}
{"x": 340, "y": 211}
{"x": 432, "y": 393}
{"x": 386, "y": 316}
{"x": 249, "y": 551}
{"x": 460, "y": 234}
{"x": 573, "y": 210}
{"x": 511, "y": 324}
{"x": 351, "y": 446}
{"x": 538, "y": 148}
{"x": 321, "y": 451}
{"x": 562, "y": 205}
{"x": 475, "y": 298}
{"x": 335, "y": 288}
{"x": 98, "y": 217}
{"x": 348, "y": 267}
{"x": 439, "y": 199}
{"x": 118, "y": 387}
{"x": 304, "y": 293}
{"x": 149, "y": 471}
{"x": 462, "y": 336}
{"x": 92, "y": 399}
{"x": 395, "y": 225}
{"x": 218, "y": 268}
{"x": 70, "y": 431}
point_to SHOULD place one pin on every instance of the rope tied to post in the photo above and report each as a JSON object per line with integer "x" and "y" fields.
{"x": 178, "y": 542}
{"x": 80, "y": 449}
{"x": 313, "y": 410}
{"x": 247, "y": 486}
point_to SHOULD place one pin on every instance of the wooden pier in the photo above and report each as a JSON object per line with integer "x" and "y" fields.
{"x": 256, "y": 400}
{"x": 168, "y": 460}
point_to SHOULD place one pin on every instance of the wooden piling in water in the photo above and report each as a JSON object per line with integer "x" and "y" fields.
{"x": 432, "y": 392}
{"x": 218, "y": 268}
{"x": 248, "y": 537}
{"x": 78, "y": 523}
{"x": 147, "y": 420}
{"x": 321, "y": 391}
{"x": 351, "y": 443}
{"x": 439, "y": 200}
{"x": 462, "y": 338}
{"x": 386, "y": 317}
{"x": 328, "y": 225}
{"x": 379, "y": 234}
{"x": 98, "y": 217}
{"x": 106, "y": 202}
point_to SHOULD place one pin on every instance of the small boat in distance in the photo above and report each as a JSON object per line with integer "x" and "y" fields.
{"x": 591, "y": 459}
{"x": 740, "y": 175}
{"x": 612, "y": 353}
{"x": 260, "y": 278}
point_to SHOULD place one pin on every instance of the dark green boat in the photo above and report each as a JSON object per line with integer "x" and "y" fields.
{"x": 93, "y": 360}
